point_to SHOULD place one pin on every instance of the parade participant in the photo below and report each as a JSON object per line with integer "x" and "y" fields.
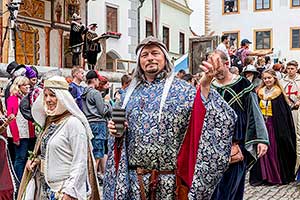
{"x": 223, "y": 46}
{"x": 14, "y": 70}
{"x": 75, "y": 88}
{"x": 91, "y": 46}
{"x": 244, "y": 51}
{"x": 260, "y": 64}
{"x": 250, "y": 138}
{"x": 76, "y": 32}
{"x": 251, "y": 73}
{"x": 277, "y": 165}
{"x": 21, "y": 130}
{"x": 95, "y": 110}
{"x": 62, "y": 154}
{"x": 291, "y": 87}
{"x": 278, "y": 68}
{"x": 125, "y": 81}
{"x": 8, "y": 179}
{"x": 35, "y": 89}
{"x": 142, "y": 160}
{"x": 181, "y": 73}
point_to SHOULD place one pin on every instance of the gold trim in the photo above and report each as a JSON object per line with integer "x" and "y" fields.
{"x": 291, "y": 38}
{"x": 262, "y": 30}
{"x": 262, "y": 10}
{"x": 293, "y": 7}
{"x": 231, "y": 13}
{"x": 178, "y": 6}
{"x": 234, "y": 31}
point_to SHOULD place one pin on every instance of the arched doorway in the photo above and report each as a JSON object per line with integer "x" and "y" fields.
{"x": 111, "y": 61}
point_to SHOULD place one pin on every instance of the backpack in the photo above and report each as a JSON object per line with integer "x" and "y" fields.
{"x": 235, "y": 61}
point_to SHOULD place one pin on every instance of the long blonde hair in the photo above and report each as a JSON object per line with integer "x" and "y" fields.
{"x": 15, "y": 87}
{"x": 277, "y": 83}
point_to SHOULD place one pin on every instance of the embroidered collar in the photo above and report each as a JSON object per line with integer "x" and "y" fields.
{"x": 234, "y": 79}
{"x": 269, "y": 94}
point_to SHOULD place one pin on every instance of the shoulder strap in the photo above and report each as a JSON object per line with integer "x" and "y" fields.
{"x": 167, "y": 87}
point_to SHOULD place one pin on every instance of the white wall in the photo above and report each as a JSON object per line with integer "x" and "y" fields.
{"x": 97, "y": 14}
{"x": 175, "y": 20}
{"x": 54, "y": 46}
{"x": 197, "y": 17}
{"x": 280, "y": 19}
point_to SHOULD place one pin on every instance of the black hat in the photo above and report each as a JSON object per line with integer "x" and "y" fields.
{"x": 13, "y": 66}
{"x": 245, "y": 41}
{"x": 91, "y": 74}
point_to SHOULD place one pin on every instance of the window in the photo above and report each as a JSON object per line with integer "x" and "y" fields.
{"x": 166, "y": 36}
{"x": 111, "y": 19}
{"x": 295, "y": 3}
{"x": 181, "y": 43}
{"x": 262, "y": 39}
{"x": 262, "y": 4}
{"x": 72, "y": 8}
{"x": 295, "y": 38}
{"x": 234, "y": 37}
{"x": 149, "y": 28}
{"x": 231, "y": 6}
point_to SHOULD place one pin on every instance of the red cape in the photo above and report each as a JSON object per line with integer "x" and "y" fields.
{"x": 187, "y": 156}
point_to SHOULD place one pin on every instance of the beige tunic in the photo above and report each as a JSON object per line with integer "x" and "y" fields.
{"x": 292, "y": 90}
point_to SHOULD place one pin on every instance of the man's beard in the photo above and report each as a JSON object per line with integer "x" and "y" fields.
{"x": 152, "y": 70}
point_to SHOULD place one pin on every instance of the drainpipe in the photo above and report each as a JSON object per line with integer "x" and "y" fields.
{"x": 139, "y": 19}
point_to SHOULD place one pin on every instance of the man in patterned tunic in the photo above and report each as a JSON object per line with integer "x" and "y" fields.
{"x": 250, "y": 134}
{"x": 144, "y": 161}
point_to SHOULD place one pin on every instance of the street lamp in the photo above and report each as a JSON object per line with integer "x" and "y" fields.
{"x": 139, "y": 19}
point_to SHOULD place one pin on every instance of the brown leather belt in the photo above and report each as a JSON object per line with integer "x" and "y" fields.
{"x": 153, "y": 180}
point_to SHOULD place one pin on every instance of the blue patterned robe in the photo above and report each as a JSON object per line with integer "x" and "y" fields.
{"x": 148, "y": 144}
{"x": 152, "y": 145}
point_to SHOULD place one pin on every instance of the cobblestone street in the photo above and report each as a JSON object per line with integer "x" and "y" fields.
{"x": 286, "y": 192}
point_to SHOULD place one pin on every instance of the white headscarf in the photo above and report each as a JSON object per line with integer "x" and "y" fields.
{"x": 60, "y": 87}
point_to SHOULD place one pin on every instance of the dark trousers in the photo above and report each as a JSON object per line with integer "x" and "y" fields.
{"x": 21, "y": 154}
{"x": 75, "y": 59}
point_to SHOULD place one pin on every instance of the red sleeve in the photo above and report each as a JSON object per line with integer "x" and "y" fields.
{"x": 12, "y": 108}
{"x": 188, "y": 152}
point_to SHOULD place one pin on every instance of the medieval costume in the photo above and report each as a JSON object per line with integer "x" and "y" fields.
{"x": 8, "y": 179}
{"x": 91, "y": 47}
{"x": 277, "y": 165}
{"x": 251, "y": 73}
{"x": 150, "y": 159}
{"x": 77, "y": 29}
{"x": 64, "y": 149}
{"x": 292, "y": 89}
{"x": 249, "y": 131}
